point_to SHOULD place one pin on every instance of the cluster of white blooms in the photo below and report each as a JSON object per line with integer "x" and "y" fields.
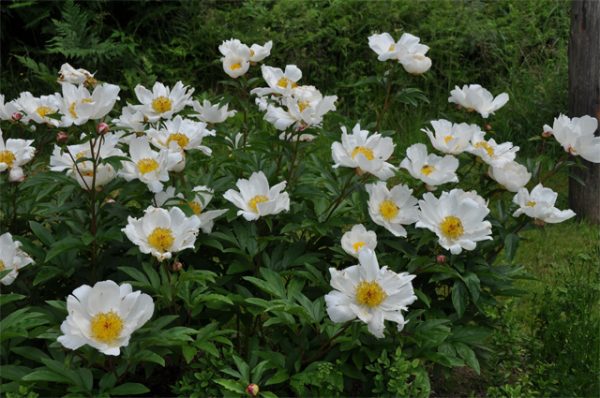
{"x": 407, "y": 51}
{"x": 286, "y": 103}
{"x": 14, "y": 153}
{"x": 237, "y": 57}
{"x": 12, "y": 258}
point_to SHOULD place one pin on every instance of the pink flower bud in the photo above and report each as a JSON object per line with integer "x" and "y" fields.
{"x": 102, "y": 128}
{"x": 440, "y": 259}
{"x": 177, "y": 266}
{"x": 62, "y": 137}
{"x": 17, "y": 116}
{"x": 488, "y": 127}
{"x": 252, "y": 389}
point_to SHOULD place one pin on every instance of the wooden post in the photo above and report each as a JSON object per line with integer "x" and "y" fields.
{"x": 584, "y": 99}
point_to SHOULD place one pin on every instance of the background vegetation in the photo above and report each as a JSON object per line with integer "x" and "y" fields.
{"x": 548, "y": 343}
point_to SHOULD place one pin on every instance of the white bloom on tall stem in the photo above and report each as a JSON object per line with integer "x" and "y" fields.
{"x": 258, "y": 52}
{"x": 369, "y": 293}
{"x": 512, "y": 176}
{"x": 162, "y": 232}
{"x": 150, "y": 167}
{"x": 79, "y": 106}
{"x": 39, "y": 109}
{"x": 68, "y": 74}
{"x": 14, "y": 153}
{"x": 369, "y": 154}
{"x": 8, "y": 109}
{"x": 431, "y": 169}
{"x": 202, "y": 197}
{"x": 279, "y": 82}
{"x": 104, "y": 316}
{"x": 539, "y": 204}
{"x": 213, "y": 114}
{"x": 451, "y": 138}
{"x": 83, "y": 170}
{"x": 392, "y": 209}
{"x": 576, "y": 136}
{"x": 236, "y": 57}
{"x": 12, "y": 258}
{"x": 407, "y": 51}
{"x": 357, "y": 239}
{"x": 496, "y": 155}
{"x": 476, "y": 98}
{"x": 255, "y": 199}
{"x": 131, "y": 119}
{"x": 305, "y": 108}
{"x": 456, "y": 218}
{"x": 384, "y": 45}
{"x": 181, "y": 135}
{"x": 162, "y": 102}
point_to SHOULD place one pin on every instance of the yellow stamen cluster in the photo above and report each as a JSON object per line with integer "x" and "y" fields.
{"x": 72, "y": 110}
{"x": 284, "y": 82}
{"x": 2, "y": 266}
{"x": 196, "y": 207}
{"x": 486, "y": 146}
{"x": 181, "y": 139}
{"x": 161, "y": 239}
{"x": 452, "y": 227}
{"x": 44, "y": 110}
{"x": 161, "y": 104}
{"x": 235, "y": 66}
{"x": 392, "y": 47}
{"x": 358, "y": 245}
{"x": 147, "y": 165}
{"x": 7, "y": 157}
{"x": 388, "y": 210}
{"x": 106, "y": 327}
{"x": 302, "y": 105}
{"x": 252, "y": 203}
{"x": 367, "y": 152}
{"x": 531, "y": 203}
{"x": 427, "y": 169}
{"x": 448, "y": 138}
{"x": 370, "y": 294}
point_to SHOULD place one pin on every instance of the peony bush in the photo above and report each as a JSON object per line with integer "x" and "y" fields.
{"x": 179, "y": 244}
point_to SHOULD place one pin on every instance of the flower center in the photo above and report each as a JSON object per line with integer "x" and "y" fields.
{"x": 388, "y": 210}
{"x": 235, "y": 66}
{"x": 302, "y": 105}
{"x": 72, "y": 110}
{"x": 531, "y": 203}
{"x": 256, "y": 200}
{"x": 452, "y": 227}
{"x": 366, "y": 152}
{"x": 7, "y": 157}
{"x": 252, "y": 53}
{"x": 2, "y": 266}
{"x": 427, "y": 169}
{"x": 486, "y": 146}
{"x": 161, "y": 239}
{"x": 44, "y": 110}
{"x": 161, "y": 104}
{"x": 196, "y": 207}
{"x": 392, "y": 47}
{"x": 106, "y": 327}
{"x": 181, "y": 139}
{"x": 358, "y": 245}
{"x": 284, "y": 82}
{"x": 448, "y": 138}
{"x": 370, "y": 294}
{"x": 147, "y": 165}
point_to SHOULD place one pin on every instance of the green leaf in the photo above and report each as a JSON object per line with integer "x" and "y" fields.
{"x": 511, "y": 243}
{"x": 243, "y": 368}
{"x": 466, "y": 353}
{"x": 46, "y": 375}
{"x": 279, "y": 377}
{"x": 63, "y": 245}
{"x": 231, "y": 385}
{"x": 7, "y": 298}
{"x": 473, "y": 284}
{"x": 42, "y": 233}
{"x": 460, "y": 298}
{"x": 129, "y": 389}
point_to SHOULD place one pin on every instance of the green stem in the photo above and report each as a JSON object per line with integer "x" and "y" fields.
{"x": 386, "y": 102}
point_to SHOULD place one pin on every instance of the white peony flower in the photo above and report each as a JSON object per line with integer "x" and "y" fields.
{"x": 476, "y": 98}
{"x": 78, "y": 105}
{"x": 255, "y": 199}
{"x": 451, "y": 138}
{"x": 411, "y": 54}
{"x": 8, "y": 109}
{"x": 104, "y": 316}
{"x": 280, "y": 82}
{"x": 392, "y": 208}
{"x": 512, "y": 176}
{"x": 496, "y": 155}
{"x": 181, "y": 135}
{"x": 203, "y": 196}
{"x": 162, "y": 232}
{"x": 162, "y": 102}
{"x": 369, "y": 293}
{"x": 305, "y": 108}
{"x": 213, "y": 114}
{"x": 258, "y": 52}
{"x": 357, "y": 239}
{"x": 131, "y": 119}
{"x": 456, "y": 218}
{"x": 150, "y": 167}
{"x": 68, "y": 74}
{"x": 12, "y": 257}
{"x": 431, "y": 169}
{"x": 384, "y": 45}
{"x": 236, "y": 60}
{"x": 577, "y": 136}
{"x": 539, "y": 204}
{"x": 168, "y": 196}
{"x": 83, "y": 171}
{"x": 14, "y": 153}
{"x": 369, "y": 154}
{"x": 38, "y": 109}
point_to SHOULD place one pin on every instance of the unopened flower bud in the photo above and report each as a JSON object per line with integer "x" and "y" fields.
{"x": 547, "y": 134}
{"x": 102, "y": 128}
{"x": 177, "y": 266}
{"x": 62, "y": 137}
{"x": 252, "y": 389}
{"x": 17, "y": 116}
{"x": 488, "y": 127}
{"x": 440, "y": 259}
